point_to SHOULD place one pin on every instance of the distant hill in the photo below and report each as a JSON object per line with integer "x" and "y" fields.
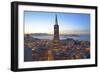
{"x": 39, "y": 34}
{"x": 30, "y": 38}
{"x": 70, "y": 35}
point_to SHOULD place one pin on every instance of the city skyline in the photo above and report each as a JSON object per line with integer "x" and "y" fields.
{"x": 69, "y": 23}
{"x": 58, "y": 48}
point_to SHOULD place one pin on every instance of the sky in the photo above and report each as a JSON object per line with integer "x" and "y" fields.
{"x": 69, "y": 23}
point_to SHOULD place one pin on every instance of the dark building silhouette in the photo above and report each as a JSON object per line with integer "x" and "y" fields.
{"x": 56, "y": 29}
{"x": 56, "y": 32}
{"x": 55, "y": 41}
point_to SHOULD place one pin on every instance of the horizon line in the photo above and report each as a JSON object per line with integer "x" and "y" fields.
{"x": 62, "y": 33}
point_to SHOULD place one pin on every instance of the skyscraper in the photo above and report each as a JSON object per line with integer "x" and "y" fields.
{"x": 56, "y": 32}
{"x": 55, "y": 40}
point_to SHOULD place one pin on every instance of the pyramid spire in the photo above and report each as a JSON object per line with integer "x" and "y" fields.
{"x": 56, "y": 21}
